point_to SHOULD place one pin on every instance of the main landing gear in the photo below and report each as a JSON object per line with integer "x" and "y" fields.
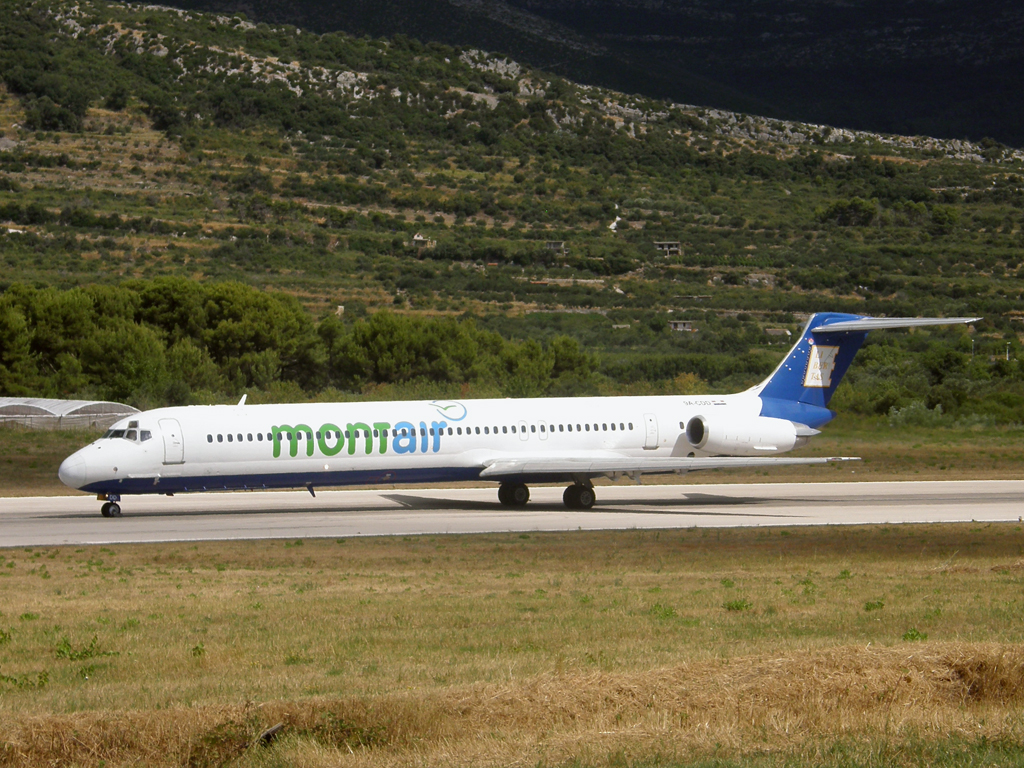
{"x": 513, "y": 494}
{"x": 577, "y": 496}
{"x": 111, "y": 508}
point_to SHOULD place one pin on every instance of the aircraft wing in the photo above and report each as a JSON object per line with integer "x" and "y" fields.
{"x": 629, "y": 465}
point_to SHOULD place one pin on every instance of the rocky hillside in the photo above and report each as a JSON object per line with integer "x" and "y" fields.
{"x": 953, "y": 69}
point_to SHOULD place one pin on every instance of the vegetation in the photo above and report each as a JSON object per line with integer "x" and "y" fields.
{"x": 871, "y": 71}
{"x": 733, "y": 647}
{"x": 198, "y": 197}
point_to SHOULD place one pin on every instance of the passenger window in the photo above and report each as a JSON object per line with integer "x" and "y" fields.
{"x": 613, "y": 426}
{"x": 449, "y": 430}
{"x": 579, "y": 428}
{"x": 259, "y": 436}
{"x": 229, "y": 438}
{"x": 622, "y": 427}
{"x": 541, "y": 427}
{"x": 209, "y": 438}
{"x": 570, "y": 427}
{"x": 533, "y": 427}
{"x": 220, "y": 438}
{"x": 249, "y": 437}
{"x": 239, "y": 437}
{"x": 487, "y": 430}
{"x": 513, "y": 430}
{"x": 478, "y": 430}
{"x": 504, "y": 430}
{"x": 318, "y": 436}
{"x": 631, "y": 426}
{"x": 604, "y": 427}
{"x": 270, "y": 435}
{"x": 587, "y": 426}
{"x": 562, "y": 429}
{"x": 131, "y": 434}
{"x": 459, "y": 430}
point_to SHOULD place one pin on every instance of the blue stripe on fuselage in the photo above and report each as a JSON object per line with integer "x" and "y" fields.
{"x": 185, "y": 484}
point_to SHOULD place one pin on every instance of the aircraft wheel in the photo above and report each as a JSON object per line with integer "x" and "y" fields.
{"x": 585, "y": 497}
{"x": 571, "y": 497}
{"x": 513, "y": 494}
{"x": 105, "y": 509}
{"x": 579, "y": 497}
{"x": 115, "y": 509}
{"x": 503, "y": 494}
{"x": 520, "y": 495}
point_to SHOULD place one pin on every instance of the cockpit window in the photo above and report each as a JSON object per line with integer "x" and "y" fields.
{"x": 131, "y": 434}
{"x": 115, "y": 433}
{"x": 145, "y": 435}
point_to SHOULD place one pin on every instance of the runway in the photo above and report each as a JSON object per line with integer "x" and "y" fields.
{"x": 61, "y": 521}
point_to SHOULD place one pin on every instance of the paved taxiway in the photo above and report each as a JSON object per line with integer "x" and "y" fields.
{"x": 75, "y": 520}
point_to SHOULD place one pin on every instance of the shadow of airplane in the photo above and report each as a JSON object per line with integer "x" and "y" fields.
{"x": 688, "y": 504}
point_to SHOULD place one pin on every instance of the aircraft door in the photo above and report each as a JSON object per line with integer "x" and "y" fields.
{"x": 523, "y": 431}
{"x": 651, "y": 440}
{"x": 174, "y": 443}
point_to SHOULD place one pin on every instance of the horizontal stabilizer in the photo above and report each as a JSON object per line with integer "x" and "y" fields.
{"x": 606, "y": 466}
{"x": 881, "y": 323}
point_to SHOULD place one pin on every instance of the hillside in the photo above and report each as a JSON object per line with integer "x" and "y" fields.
{"x": 953, "y": 69}
{"x": 144, "y": 143}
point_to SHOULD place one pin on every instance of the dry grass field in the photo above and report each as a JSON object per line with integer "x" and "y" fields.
{"x": 888, "y": 646}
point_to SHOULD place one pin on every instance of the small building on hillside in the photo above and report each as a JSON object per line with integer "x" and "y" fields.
{"x": 685, "y": 326}
{"x": 44, "y": 413}
{"x": 668, "y": 247}
{"x": 781, "y": 333}
{"x": 421, "y": 241}
{"x": 557, "y": 245}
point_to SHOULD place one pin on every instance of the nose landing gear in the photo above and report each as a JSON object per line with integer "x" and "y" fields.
{"x": 111, "y": 508}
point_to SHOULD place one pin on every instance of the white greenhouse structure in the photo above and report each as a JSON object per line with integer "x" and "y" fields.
{"x": 42, "y": 413}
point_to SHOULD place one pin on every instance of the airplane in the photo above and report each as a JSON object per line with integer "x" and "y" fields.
{"x": 515, "y": 442}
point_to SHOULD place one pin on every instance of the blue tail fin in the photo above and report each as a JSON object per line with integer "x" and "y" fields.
{"x": 800, "y": 388}
{"x": 802, "y": 385}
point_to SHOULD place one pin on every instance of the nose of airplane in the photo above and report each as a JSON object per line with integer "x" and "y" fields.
{"x": 72, "y": 471}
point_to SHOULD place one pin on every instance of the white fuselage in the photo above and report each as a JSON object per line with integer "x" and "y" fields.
{"x": 197, "y": 448}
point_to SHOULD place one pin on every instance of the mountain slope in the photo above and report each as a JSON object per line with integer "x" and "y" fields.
{"x": 142, "y": 142}
{"x": 953, "y": 69}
